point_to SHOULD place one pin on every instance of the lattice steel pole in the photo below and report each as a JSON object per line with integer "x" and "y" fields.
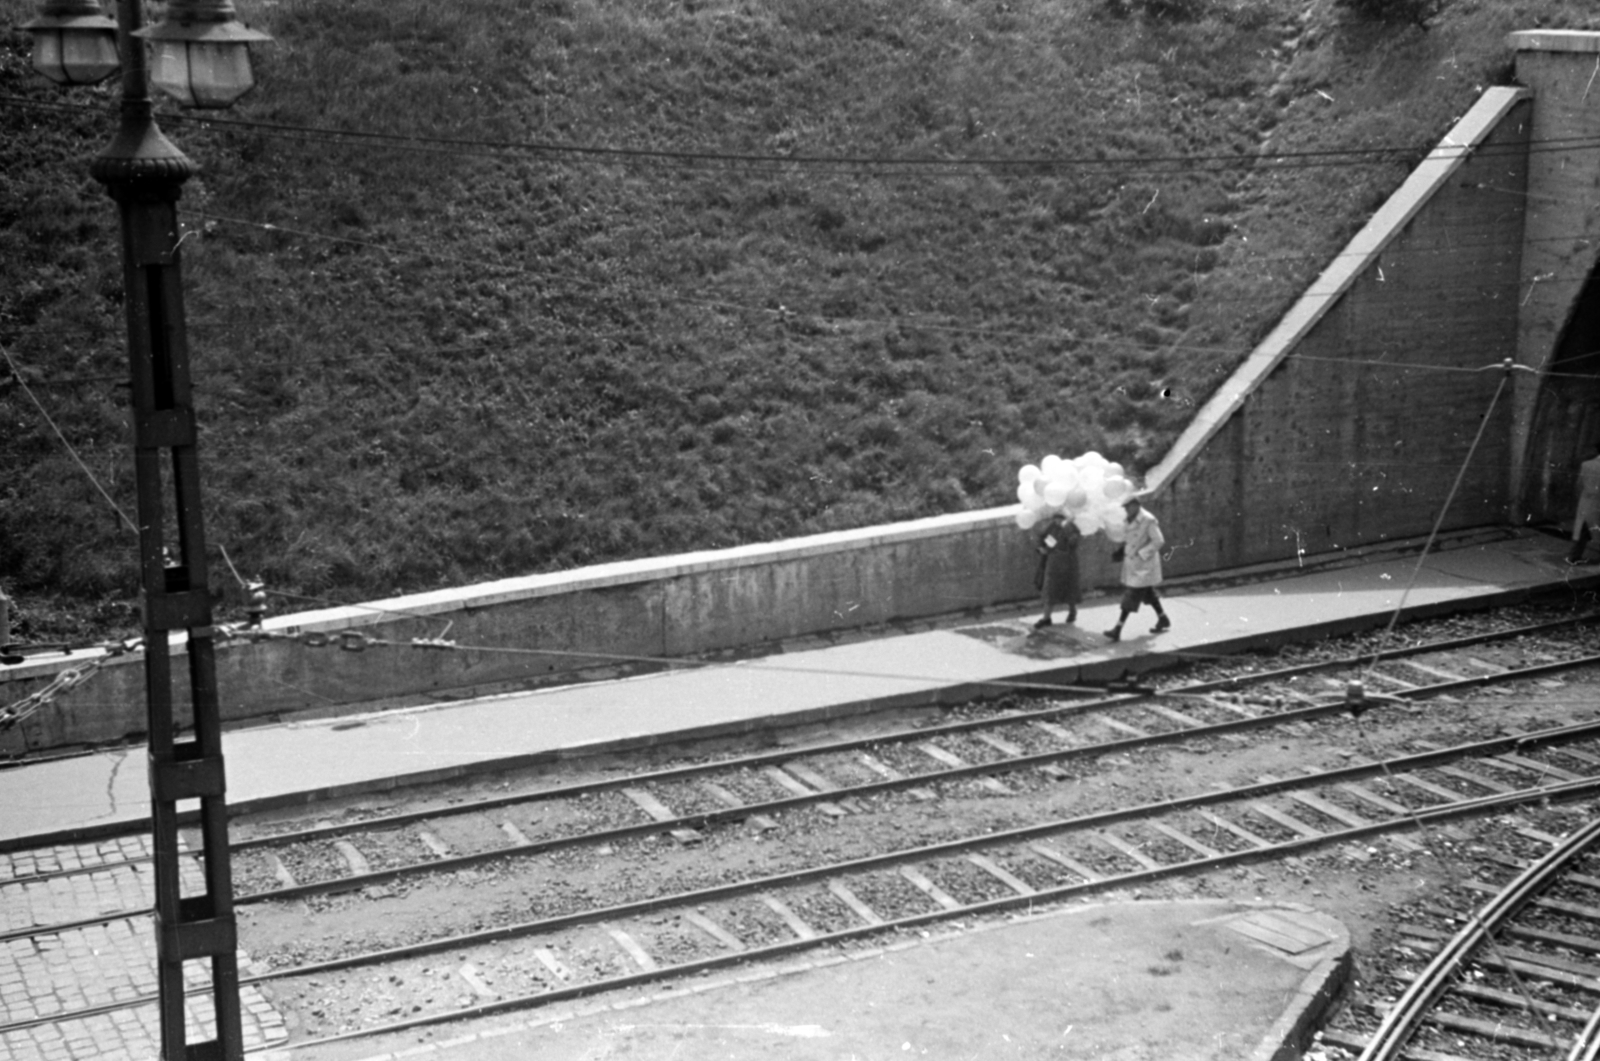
{"x": 144, "y": 172}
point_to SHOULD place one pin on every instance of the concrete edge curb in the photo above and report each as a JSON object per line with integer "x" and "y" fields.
{"x": 1314, "y": 1001}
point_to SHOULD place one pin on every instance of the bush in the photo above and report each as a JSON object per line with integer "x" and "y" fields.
{"x": 1413, "y": 11}
{"x": 1167, "y": 10}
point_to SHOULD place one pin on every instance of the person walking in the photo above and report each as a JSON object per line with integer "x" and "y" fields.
{"x": 1587, "y": 518}
{"x": 1141, "y": 567}
{"x": 1057, "y": 576}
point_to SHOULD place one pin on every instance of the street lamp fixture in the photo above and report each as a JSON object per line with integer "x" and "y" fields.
{"x": 200, "y": 53}
{"x": 74, "y": 43}
{"x": 144, "y": 173}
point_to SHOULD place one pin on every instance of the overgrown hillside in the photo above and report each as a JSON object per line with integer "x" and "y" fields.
{"x": 502, "y": 286}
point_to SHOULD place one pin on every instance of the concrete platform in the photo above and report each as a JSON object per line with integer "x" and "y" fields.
{"x": 81, "y": 797}
{"x": 1209, "y": 980}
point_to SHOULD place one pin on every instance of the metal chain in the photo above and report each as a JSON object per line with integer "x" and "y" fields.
{"x": 29, "y": 705}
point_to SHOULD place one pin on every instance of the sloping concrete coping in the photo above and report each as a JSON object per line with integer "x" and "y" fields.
{"x": 1555, "y": 40}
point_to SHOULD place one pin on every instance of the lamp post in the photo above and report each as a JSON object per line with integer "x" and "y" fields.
{"x": 202, "y": 58}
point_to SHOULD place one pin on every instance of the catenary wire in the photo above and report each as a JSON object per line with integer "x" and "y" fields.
{"x": 71, "y": 452}
{"x": 1364, "y": 156}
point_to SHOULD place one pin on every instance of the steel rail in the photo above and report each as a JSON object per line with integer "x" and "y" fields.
{"x": 1394, "y": 1032}
{"x": 1443, "y": 812}
{"x": 1008, "y": 764}
{"x": 1587, "y": 1046}
{"x": 701, "y": 819}
{"x": 1415, "y": 818}
{"x": 962, "y": 845}
{"x": 678, "y": 773}
{"x": 925, "y": 733}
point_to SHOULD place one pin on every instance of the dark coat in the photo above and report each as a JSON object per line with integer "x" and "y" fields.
{"x": 1057, "y": 575}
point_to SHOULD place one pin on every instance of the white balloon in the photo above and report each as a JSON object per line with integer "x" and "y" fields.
{"x": 1026, "y": 518}
{"x": 1075, "y": 499}
{"x": 1055, "y": 492}
{"x": 1117, "y": 527}
{"x": 1049, "y": 465}
{"x": 1092, "y": 483}
{"x": 1028, "y": 473}
{"x": 1086, "y": 522}
{"x": 1116, "y": 487}
{"x": 1115, "y": 469}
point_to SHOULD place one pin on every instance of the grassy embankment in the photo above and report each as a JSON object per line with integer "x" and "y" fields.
{"x": 831, "y": 263}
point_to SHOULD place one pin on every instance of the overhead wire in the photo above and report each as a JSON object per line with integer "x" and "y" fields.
{"x": 1359, "y": 156}
{"x": 1444, "y": 508}
{"x": 71, "y": 452}
{"x": 566, "y": 279}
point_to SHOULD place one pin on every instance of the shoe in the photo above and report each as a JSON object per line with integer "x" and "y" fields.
{"x": 1072, "y": 616}
{"x": 1162, "y": 623}
{"x": 1114, "y": 634}
{"x": 1042, "y": 623}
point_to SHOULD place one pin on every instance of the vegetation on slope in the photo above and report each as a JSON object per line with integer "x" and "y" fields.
{"x": 506, "y": 286}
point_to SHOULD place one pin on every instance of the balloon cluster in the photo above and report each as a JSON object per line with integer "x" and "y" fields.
{"x": 1089, "y": 490}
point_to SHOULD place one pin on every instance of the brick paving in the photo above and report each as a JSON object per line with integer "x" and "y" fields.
{"x": 89, "y": 991}
{"x": 16, "y": 865}
{"x": 65, "y": 888}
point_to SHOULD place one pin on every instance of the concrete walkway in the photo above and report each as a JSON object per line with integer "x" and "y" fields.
{"x": 279, "y": 765}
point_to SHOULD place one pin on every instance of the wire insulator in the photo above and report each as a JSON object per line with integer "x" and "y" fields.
{"x": 1355, "y": 698}
{"x": 255, "y": 604}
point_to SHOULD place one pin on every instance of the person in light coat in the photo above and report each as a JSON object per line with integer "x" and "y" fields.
{"x": 1587, "y": 519}
{"x": 1141, "y": 567}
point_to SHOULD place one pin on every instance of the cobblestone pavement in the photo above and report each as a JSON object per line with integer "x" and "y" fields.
{"x": 85, "y": 986}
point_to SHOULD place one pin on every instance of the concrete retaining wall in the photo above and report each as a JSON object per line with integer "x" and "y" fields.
{"x": 597, "y": 621}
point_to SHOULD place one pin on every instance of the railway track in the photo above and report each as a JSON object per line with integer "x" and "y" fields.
{"x": 332, "y": 856}
{"x": 1518, "y": 976}
{"x": 576, "y": 947}
{"x": 670, "y": 936}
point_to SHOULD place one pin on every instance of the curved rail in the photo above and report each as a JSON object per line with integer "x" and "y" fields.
{"x": 1401, "y": 1021}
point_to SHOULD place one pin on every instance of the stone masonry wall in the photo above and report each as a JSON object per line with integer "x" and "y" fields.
{"x": 1354, "y": 432}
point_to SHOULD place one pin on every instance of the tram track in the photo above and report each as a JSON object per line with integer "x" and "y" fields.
{"x": 1519, "y": 977}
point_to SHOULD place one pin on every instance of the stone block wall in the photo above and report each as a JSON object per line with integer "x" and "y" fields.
{"x": 1351, "y": 422}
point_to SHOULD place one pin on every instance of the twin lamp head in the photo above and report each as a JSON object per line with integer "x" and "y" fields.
{"x": 199, "y": 53}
